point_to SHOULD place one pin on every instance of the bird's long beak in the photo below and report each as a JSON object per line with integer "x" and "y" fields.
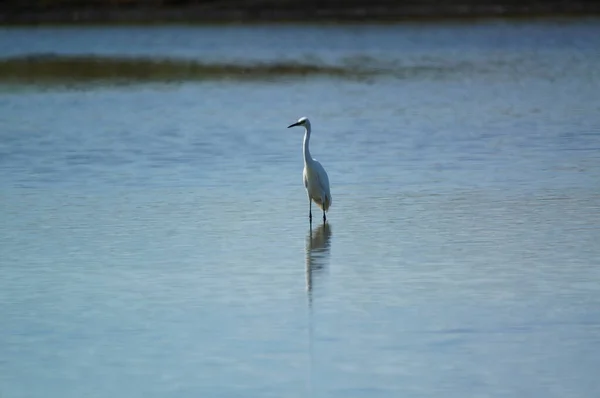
{"x": 294, "y": 125}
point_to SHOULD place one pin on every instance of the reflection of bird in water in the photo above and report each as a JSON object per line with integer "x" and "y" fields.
{"x": 317, "y": 249}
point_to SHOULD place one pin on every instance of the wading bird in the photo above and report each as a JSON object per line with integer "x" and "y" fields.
{"x": 316, "y": 180}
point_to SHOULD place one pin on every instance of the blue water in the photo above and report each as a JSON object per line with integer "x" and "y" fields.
{"x": 155, "y": 238}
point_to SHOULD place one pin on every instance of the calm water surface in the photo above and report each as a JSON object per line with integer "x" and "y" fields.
{"x": 155, "y": 239}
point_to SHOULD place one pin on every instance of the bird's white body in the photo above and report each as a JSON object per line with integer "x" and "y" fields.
{"x": 315, "y": 177}
{"x": 316, "y": 183}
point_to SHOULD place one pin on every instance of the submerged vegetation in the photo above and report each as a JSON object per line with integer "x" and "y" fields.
{"x": 90, "y": 68}
{"x": 50, "y": 69}
{"x": 84, "y": 69}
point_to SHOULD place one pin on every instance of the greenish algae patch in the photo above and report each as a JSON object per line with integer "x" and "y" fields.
{"x": 38, "y": 69}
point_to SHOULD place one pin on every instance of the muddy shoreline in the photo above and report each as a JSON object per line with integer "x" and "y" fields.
{"x": 273, "y": 12}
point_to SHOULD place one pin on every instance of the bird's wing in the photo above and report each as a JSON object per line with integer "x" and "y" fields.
{"x": 322, "y": 178}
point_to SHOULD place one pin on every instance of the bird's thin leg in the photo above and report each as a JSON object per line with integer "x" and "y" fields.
{"x": 324, "y": 217}
{"x": 309, "y": 211}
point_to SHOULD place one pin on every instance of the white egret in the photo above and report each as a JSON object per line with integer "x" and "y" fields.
{"x": 316, "y": 180}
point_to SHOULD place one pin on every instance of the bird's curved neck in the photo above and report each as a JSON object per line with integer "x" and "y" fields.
{"x": 306, "y": 150}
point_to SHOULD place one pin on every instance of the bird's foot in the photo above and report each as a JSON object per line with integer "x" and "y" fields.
{"x": 324, "y": 218}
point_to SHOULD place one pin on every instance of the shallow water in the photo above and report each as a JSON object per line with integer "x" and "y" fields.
{"x": 155, "y": 239}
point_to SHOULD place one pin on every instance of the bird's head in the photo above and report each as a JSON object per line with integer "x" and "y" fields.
{"x": 303, "y": 121}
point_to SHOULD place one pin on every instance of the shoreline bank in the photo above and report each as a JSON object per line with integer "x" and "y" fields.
{"x": 290, "y": 12}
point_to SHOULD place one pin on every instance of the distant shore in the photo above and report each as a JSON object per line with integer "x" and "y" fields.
{"x": 296, "y": 11}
